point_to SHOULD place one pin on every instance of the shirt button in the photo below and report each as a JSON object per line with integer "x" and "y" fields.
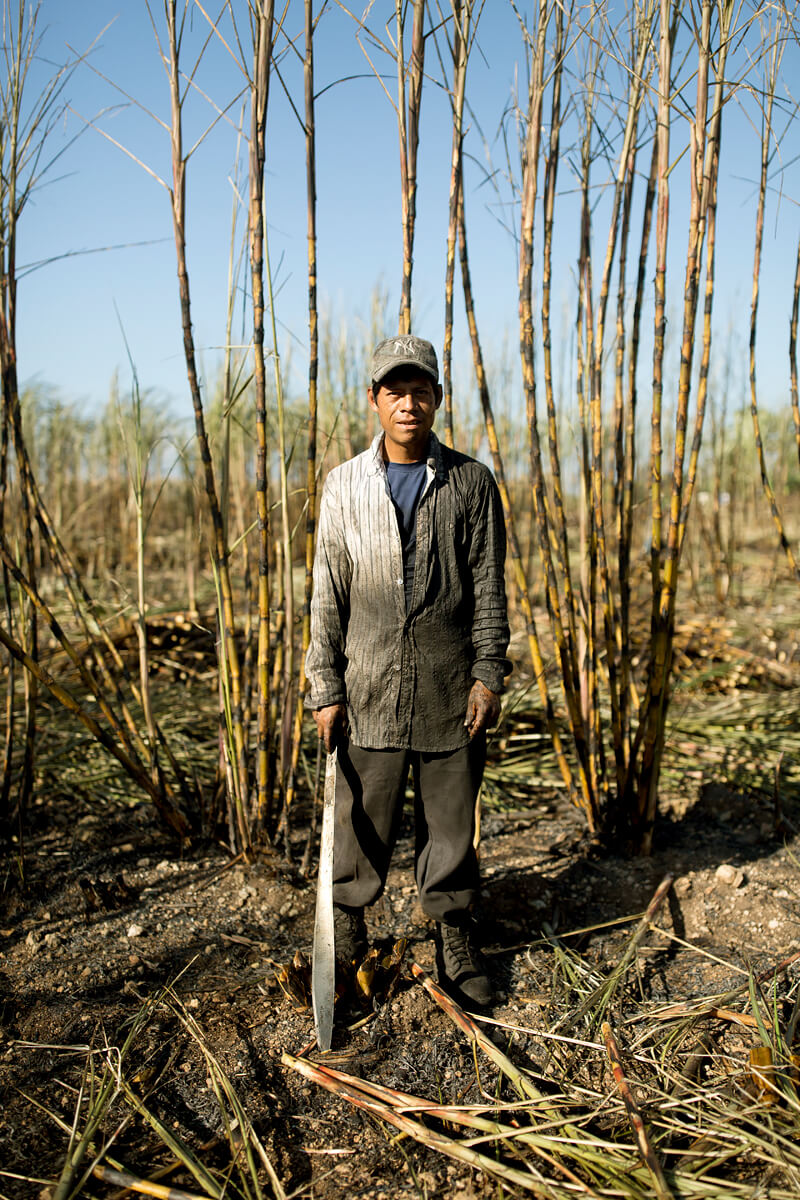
{"x": 399, "y": 583}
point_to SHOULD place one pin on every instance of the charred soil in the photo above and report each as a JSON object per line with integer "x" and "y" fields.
{"x": 109, "y": 913}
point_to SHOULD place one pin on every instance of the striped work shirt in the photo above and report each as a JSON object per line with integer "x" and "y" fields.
{"x": 405, "y": 673}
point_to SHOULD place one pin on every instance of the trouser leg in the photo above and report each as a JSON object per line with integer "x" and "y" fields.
{"x": 445, "y": 789}
{"x": 370, "y": 786}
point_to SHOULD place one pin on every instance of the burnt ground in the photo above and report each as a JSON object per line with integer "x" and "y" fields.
{"x": 110, "y": 913}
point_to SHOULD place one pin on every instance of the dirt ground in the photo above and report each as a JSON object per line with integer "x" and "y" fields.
{"x": 111, "y": 912}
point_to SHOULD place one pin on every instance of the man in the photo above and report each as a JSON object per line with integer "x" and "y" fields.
{"x": 407, "y": 657}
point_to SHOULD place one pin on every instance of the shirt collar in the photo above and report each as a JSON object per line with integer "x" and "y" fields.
{"x": 434, "y": 460}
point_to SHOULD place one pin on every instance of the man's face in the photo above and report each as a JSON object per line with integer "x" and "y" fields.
{"x": 406, "y": 401}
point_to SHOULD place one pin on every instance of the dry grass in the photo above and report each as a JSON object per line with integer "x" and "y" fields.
{"x": 595, "y": 1091}
{"x": 660, "y": 1105}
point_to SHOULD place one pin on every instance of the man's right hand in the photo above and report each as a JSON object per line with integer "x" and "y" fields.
{"x": 331, "y": 724}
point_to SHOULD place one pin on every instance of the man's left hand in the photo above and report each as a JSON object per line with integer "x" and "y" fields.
{"x": 483, "y": 709}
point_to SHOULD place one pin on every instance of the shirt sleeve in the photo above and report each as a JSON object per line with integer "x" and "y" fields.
{"x": 325, "y": 659}
{"x": 490, "y": 631}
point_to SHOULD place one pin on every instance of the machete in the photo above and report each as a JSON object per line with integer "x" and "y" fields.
{"x": 323, "y": 962}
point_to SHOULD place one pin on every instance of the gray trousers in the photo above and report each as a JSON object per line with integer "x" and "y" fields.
{"x": 370, "y": 787}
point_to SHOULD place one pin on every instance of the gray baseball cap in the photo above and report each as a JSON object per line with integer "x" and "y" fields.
{"x": 404, "y": 350}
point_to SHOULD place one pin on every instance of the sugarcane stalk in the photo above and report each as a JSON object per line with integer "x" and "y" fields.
{"x": 708, "y": 208}
{"x": 30, "y": 627}
{"x": 548, "y": 205}
{"x": 451, "y": 1147}
{"x": 8, "y": 742}
{"x": 651, "y": 729}
{"x": 627, "y": 506}
{"x": 649, "y": 1157}
{"x": 285, "y": 682}
{"x": 21, "y": 49}
{"x": 588, "y": 647}
{"x": 345, "y": 395}
{"x": 662, "y": 227}
{"x": 262, "y": 18}
{"x": 27, "y": 617}
{"x": 408, "y": 131}
{"x": 313, "y": 367}
{"x": 462, "y": 20}
{"x": 775, "y": 56}
{"x": 145, "y": 1187}
{"x": 793, "y": 352}
{"x": 250, "y": 631}
{"x": 718, "y": 416}
{"x": 219, "y": 547}
{"x": 622, "y": 449}
{"x": 519, "y": 1080}
{"x": 137, "y": 472}
{"x": 228, "y": 399}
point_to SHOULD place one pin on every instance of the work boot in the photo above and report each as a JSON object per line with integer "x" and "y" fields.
{"x": 460, "y": 968}
{"x": 350, "y": 933}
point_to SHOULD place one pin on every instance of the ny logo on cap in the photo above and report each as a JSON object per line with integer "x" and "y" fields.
{"x": 404, "y": 349}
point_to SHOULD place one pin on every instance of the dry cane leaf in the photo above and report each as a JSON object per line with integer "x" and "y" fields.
{"x": 762, "y": 1074}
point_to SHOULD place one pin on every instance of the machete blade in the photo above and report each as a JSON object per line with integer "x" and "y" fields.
{"x": 323, "y": 963}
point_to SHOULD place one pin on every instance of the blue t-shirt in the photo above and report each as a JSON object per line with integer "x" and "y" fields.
{"x": 406, "y": 483}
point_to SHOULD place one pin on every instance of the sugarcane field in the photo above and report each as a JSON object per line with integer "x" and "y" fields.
{"x": 400, "y": 600}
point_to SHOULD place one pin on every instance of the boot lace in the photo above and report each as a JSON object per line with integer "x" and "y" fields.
{"x": 458, "y": 951}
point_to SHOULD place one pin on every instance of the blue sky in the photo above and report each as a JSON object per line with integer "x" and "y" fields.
{"x": 105, "y": 224}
